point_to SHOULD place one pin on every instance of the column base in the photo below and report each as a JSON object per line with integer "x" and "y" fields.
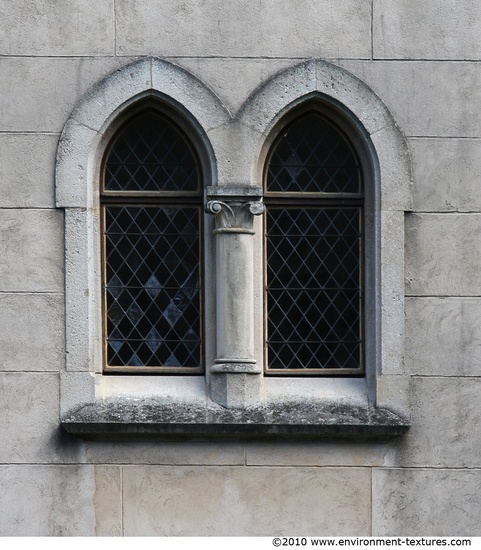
{"x": 236, "y": 385}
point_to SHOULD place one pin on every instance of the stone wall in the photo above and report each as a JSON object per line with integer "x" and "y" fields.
{"x": 422, "y": 60}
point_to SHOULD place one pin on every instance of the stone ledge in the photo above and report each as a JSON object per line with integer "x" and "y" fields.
{"x": 131, "y": 419}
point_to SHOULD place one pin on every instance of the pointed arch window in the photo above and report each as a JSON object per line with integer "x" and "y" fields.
{"x": 114, "y": 200}
{"x": 151, "y": 202}
{"x": 314, "y": 201}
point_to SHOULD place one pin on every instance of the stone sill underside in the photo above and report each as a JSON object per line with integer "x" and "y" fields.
{"x": 132, "y": 419}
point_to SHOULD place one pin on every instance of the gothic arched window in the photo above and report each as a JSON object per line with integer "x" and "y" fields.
{"x": 151, "y": 201}
{"x": 314, "y": 250}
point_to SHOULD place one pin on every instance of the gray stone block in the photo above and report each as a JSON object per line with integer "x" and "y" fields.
{"x": 72, "y": 186}
{"x": 326, "y": 453}
{"x": 418, "y": 93}
{"x": 426, "y": 503}
{"x": 59, "y": 501}
{"x": 393, "y": 392}
{"x": 392, "y": 292}
{"x": 85, "y": 27}
{"x": 76, "y": 389}
{"x": 172, "y": 453}
{"x": 83, "y": 318}
{"x": 237, "y": 149}
{"x": 443, "y": 254}
{"x": 408, "y": 29}
{"x": 443, "y": 336}
{"x": 30, "y": 430}
{"x": 39, "y": 93}
{"x": 245, "y": 501}
{"x": 26, "y": 170}
{"x": 32, "y": 332}
{"x": 446, "y": 173}
{"x": 107, "y": 501}
{"x": 32, "y": 250}
{"x": 245, "y": 29}
{"x": 219, "y": 74}
{"x": 396, "y": 179}
{"x": 445, "y": 425}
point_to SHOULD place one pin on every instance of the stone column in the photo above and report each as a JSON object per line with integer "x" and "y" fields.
{"x": 235, "y": 376}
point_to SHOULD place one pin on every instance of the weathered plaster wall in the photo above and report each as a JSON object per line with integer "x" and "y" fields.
{"x": 422, "y": 59}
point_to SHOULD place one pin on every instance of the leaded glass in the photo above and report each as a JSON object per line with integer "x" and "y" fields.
{"x": 313, "y": 252}
{"x": 313, "y": 156}
{"x": 151, "y": 204}
{"x": 152, "y": 155}
{"x": 313, "y": 291}
{"x": 152, "y": 286}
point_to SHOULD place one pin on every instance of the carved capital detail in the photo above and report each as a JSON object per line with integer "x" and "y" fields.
{"x": 234, "y": 216}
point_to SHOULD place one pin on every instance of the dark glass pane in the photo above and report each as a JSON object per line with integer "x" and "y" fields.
{"x": 152, "y": 289}
{"x": 313, "y": 288}
{"x": 313, "y": 156}
{"x": 151, "y": 154}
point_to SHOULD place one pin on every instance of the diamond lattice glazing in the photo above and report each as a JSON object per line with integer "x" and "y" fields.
{"x": 152, "y": 286}
{"x": 151, "y": 154}
{"x": 314, "y": 292}
{"x": 312, "y": 156}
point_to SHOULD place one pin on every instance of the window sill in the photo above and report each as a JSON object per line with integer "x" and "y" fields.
{"x": 134, "y": 419}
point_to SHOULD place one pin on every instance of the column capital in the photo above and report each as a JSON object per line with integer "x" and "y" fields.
{"x": 234, "y": 208}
